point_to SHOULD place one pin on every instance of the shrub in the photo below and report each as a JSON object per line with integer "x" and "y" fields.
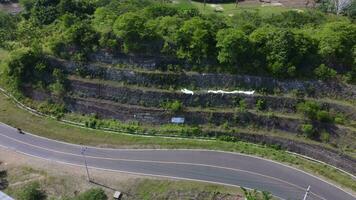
{"x": 339, "y": 119}
{"x": 309, "y": 109}
{"x": 325, "y": 137}
{"x": 92, "y": 194}
{"x": 174, "y": 106}
{"x": 324, "y": 116}
{"x": 254, "y": 195}
{"x": 324, "y": 73}
{"x": 261, "y": 104}
{"x": 32, "y": 191}
{"x": 50, "y": 108}
{"x": 242, "y": 105}
{"x": 309, "y": 131}
{"x": 92, "y": 123}
{"x": 227, "y": 138}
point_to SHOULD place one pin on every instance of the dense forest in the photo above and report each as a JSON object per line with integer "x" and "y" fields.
{"x": 306, "y": 44}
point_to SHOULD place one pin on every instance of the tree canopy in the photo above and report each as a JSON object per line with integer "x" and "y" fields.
{"x": 290, "y": 44}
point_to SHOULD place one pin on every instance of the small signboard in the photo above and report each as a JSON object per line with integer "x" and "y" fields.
{"x": 177, "y": 120}
{"x": 117, "y": 195}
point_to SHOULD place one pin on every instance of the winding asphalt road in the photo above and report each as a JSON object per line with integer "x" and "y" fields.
{"x": 202, "y": 165}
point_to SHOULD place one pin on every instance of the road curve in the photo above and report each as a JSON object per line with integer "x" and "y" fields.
{"x": 201, "y": 165}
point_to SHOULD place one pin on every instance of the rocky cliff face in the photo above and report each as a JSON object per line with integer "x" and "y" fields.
{"x": 138, "y": 93}
{"x": 204, "y": 81}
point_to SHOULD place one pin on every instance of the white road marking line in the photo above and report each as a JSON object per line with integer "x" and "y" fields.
{"x": 202, "y": 150}
{"x": 134, "y": 173}
{"x": 162, "y": 162}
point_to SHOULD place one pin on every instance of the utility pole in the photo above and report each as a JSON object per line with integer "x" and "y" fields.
{"x": 306, "y": 193}
{"x": 82, "y": 151}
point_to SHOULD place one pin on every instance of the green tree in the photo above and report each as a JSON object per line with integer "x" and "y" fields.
{"x": 167, "y": 28}
{"x": 159, "y": 10}
{"x": 75, "y": 40}
{"x": 103, "y": 19}
{"x": 233, "y": 47}
{"x": 297, "y": 19}
{"x": 44, "y": 11}
{"x": 137, "y": 36}
{"x": 284, "y": 52}
{"x": 196, "y": 41}
{"x": 7, "y": 28}
{"x": 81, "y": 8}
{"x": 337, "y": 40}
{"x": 22, "y": 66}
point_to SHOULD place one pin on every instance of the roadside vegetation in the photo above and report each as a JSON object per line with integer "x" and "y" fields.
{"x": 32, "y": 182}
{"x": 51, "y": 128}
{"x": 306, "y": 46}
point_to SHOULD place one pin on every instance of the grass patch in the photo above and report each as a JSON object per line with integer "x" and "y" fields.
{"x": 60, "y": 185}
{"x": 163, "y": 189}
{"x": 231, "y": 9}
{"x": 51, "y": 128}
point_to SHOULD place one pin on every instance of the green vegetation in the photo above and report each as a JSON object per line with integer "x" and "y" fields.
{"x": 254, "y": 195}
{"x": 64, "y": 183}
{"x": 174, "y": 106}
{"x": 272, "y": 42}
{"x": 260, "y": 104}
{"x": 314, "y": 112}
{"x": 31, "y": 191}
{"x": 51, "y": 128}
{"x": 289, "y": 44}
{"x": 163, "y": 189}
{"x": 30, "y": 67}
{"x": 92, "y": 194}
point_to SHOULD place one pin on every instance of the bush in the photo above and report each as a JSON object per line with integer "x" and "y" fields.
{"x": 309, "y": 109}
{"x": 227, "y": 138}
{"x": 91, "y": 123}
{"x": 50, "y": 108}
{"x": 27, "y": 66}
{"x": 313, "y": 111}
{"x": 261, "y": 104}
{"x": 324, "y": 116}
{"x": 325, "y": 137}
{"x": 31, "y": 191}
{"x": 242, "y": 105}
{"x": 254, "y": 195}
{"x": 339, "y": 119}
{"x": 324, "y": 73}
{"x": 309, "y": 131}
{"x": 92, "y": 194}
{"x": 174, "y": 106}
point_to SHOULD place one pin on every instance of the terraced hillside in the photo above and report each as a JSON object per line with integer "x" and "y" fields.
{"x": 145, "y": 98}
{"x": 275, "y": 76}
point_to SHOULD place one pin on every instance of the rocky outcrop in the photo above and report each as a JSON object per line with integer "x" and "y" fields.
{"x": 155, "y": 98}
{"x": 208, "y": 81}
